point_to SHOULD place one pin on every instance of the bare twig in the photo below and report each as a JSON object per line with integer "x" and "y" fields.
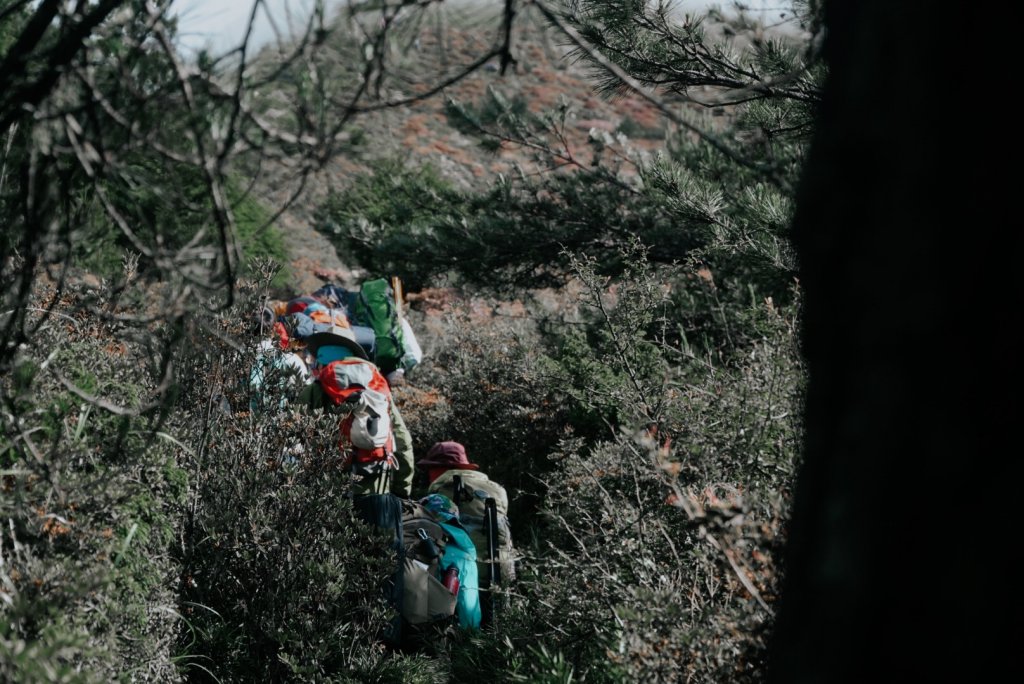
{"x": 634, "y": 85}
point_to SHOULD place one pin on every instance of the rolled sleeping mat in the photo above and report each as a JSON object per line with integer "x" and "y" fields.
{"x": 367, "y": 339}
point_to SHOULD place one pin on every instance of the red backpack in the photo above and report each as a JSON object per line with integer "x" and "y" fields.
{"x": 361, "y": 392}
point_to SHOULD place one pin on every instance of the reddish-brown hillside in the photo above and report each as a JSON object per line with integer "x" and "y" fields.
{"x": 427, "y": 53}
{"x": 543, "y": 78}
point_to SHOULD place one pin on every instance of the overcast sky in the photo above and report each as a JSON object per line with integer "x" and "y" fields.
{"x": 220, "y": 24}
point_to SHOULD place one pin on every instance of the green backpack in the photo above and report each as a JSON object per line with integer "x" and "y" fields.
{"x": 376, "y": 306}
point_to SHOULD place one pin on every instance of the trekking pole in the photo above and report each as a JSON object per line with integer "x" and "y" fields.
{"x": 493, "y": 569}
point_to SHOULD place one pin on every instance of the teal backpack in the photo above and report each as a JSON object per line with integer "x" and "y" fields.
{"x": 460, "y": 554}
{"x": 436, "y": 544}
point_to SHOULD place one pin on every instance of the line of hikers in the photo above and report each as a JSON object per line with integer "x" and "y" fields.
{"x": 342, "y": 351}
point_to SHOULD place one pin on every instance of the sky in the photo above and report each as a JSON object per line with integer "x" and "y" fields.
{"x": 219, "y": 25}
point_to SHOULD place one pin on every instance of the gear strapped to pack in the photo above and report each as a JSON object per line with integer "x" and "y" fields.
{"x": 361, "y": 393}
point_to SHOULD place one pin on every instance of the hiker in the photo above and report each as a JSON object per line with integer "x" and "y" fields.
{"x": 446, "y": 465}
{"x": 458, "y": 566}
{"x": 276, "y": 365}
{"x": 374, "y": 437}
{"x": 346, "y": 378}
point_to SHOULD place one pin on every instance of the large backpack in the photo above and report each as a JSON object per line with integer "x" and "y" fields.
{"x": 471, "y": 499}
{"x": 377, "y": 305}
{"x": 425, "y": 601}
{"x": 357, "y": 389}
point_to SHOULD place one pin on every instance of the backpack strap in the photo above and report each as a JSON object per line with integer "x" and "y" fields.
{"x": 460, "y": 491}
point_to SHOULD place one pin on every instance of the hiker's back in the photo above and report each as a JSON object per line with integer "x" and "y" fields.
{"x": 471, "y": 499}
{"x": 373, "y": 438}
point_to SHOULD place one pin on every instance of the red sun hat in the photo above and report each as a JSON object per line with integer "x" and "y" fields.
{"x": 447, "y": 455}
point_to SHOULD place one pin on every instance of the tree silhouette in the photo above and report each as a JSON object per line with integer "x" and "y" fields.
{"x": 897, "y": 553}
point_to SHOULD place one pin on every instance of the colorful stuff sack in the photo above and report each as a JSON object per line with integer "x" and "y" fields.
{"x": 299, "y": 304}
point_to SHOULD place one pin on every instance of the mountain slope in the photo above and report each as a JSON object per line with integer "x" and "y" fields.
{"x": 542, "y": 80}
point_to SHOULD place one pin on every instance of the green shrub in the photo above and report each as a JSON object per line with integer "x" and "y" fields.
{"x": 260, "y": 240}
{"x": 491, "y": 110}
{"x": 168, "y": 204}
{"x": 382, "y": 219}
{"x": 90, "y": 500}
{"x": 631, "y": 128}
{"x": 281, "y": 582}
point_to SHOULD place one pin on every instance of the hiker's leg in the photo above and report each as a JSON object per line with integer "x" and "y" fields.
{"x": 385, "y": 511}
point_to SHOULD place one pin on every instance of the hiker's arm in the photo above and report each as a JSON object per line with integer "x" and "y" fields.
{"x": 401, "y": 486}
{"x": 311, "y": 397}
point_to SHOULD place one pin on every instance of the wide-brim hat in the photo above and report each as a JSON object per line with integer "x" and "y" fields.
{"x": 447, "y": 455}
{"x": 336, "y": 336}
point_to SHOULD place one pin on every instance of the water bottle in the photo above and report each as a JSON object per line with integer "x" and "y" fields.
{"x": 451, "y": 580}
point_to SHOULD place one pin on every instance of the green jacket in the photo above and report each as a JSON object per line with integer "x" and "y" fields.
{"x": 397, "y": 482}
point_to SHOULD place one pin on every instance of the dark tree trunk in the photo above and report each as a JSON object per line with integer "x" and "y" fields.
{"x": 905, "y": 517}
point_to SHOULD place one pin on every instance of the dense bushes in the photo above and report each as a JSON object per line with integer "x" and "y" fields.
{"x": 240, "y": 557}
{"x": 90, "y": 504}
{"x": 658, "y": 491}
{"x": 665, "y": 545}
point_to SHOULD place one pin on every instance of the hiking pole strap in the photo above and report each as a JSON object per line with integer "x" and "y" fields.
{"x": 457, "y": 489}
{"x": 493, "y": 569}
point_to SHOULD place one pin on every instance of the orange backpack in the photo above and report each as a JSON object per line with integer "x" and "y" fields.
{"x": 361, "y": 392}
